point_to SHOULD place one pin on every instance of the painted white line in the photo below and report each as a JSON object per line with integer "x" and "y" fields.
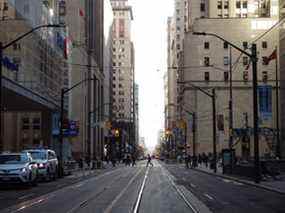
{"x": 26, "y": 196}
{"x": 136, "y": 209}
{"x": 226, "y": 180}
{"x": 30, "y": 205}
{"x": 193, "y": 185}
{"x": 238, "y": 183}
{"x": 110, "y": 207}
{"x": 208, "y": 196}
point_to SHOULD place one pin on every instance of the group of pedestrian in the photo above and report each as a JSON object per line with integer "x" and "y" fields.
{"x": 130, "y": 160}
{"x": 195, "y": 161}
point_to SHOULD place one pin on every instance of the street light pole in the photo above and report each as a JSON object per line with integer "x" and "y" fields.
{"x": 1, "y": 59}
{"x": 214, "y": 130}
{"x": 63, "y": 92}
{"x": 253, "y": 58}
{"x": 231, "y": 112}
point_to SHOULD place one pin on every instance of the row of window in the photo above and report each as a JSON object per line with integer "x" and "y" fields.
{"x": 36, "y": 123}
{"x": 239, "y": 5}
{"x": 120, "y": 86}
{"x": 245, "y": 61}
{"x": 245, "y": 76}
{"x": 244, "y": 44}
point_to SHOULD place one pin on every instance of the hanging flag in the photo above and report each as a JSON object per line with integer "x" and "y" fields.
{"x": 81, "y": 13}
{"x": 273, "y": 56}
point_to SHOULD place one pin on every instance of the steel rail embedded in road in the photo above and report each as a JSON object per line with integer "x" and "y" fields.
{"x": 138, "y": 201}
{"x": 181, "y": 194}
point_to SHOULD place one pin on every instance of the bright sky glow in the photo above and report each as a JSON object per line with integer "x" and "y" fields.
{"x": 149, "y": 33}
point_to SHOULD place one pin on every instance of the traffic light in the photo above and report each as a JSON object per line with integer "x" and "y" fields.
{"x": 117, "y": 133}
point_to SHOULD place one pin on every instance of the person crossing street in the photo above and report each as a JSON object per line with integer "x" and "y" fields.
{"x": 149, "y": 161}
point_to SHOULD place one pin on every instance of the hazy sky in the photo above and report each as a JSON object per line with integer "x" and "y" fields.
{"x": 149, "y": 33}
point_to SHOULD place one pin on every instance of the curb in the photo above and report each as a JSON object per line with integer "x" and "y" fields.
{"x": 243, "y": 181}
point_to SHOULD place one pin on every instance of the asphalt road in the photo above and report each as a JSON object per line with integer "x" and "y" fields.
{"x": 127, "y": 189}
{"x": 224, "y": 195}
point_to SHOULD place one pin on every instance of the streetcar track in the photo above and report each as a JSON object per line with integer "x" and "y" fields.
{"x": 180, "y": 193}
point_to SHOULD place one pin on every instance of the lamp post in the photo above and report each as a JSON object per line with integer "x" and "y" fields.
{"x": 253, "y": 58}
{"x": 213, "y": 97}
{"x": 63, "y": 92}
{"x": 2, "y": 48}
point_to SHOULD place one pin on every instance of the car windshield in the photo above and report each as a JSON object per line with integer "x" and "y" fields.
{"x": 13, "y": 159}
{"x": 38, "y": 155}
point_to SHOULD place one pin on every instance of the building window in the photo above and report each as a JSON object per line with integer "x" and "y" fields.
{"x": 5, "y": 6}
{"x": 207, "y": 76}
{"x": 238, "y": 4}
{"x": 114, "y": 64}
{"x": 226, "y": 5}
{"x": 226, "y": 15}
{"x": 219, "y": 5}
{"x": 36, "y": 123}
{"x": 264, "y": 76}
{"x": 206, "y": 61}
{"x": 226, "y": 76}
{"x": 245, "y": 75}
{"x": 177, "y": 36}
{"x": 226, "y": 45}
{"x": 25, "y": 123}
{"x": 264, "y": 44}
{"x": 226, "y": 60}
{"x": 178, "y": 46}
{"x": 206, "y": 45}
{"x": 245, "y": 44}
{"x": 202, "y": 7}
{"x": 244, "y": 4}
{"x": 220, "y": 15}
{"x": 245, "y": 60}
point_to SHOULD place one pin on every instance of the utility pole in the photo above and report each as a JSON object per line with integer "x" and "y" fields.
{"x": 231, "y": 113}
{"x": 194, "y": 132}
{"x": 278, "y": 154}
{"x": 214, "y": 130}
{"x": 1, "y": 102}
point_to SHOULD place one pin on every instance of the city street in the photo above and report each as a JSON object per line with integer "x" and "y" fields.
{"x": 126, "y": 189}
{"x": 224, "y": 195}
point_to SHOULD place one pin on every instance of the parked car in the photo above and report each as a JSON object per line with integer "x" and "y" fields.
{"x": 47, "y": 163}
{"x": 18, "y": 168}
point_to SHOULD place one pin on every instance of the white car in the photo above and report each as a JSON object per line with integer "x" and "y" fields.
{"x": 18, "y": 168}
{"x": 47, "y": 163}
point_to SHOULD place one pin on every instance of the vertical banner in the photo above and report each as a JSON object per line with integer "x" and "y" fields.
{"x": 265, "y": 103}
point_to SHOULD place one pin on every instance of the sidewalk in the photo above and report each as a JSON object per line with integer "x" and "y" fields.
{"x": 271, "y": 185}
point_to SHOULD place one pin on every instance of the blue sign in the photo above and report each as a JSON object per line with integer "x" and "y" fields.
{"x": 9, "y": 64}
{"x": 265, "y": 101}
{"x": 55, "y": 123}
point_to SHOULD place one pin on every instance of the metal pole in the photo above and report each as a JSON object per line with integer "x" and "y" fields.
{"x": 185, "y": 139}
{"x": 194, "y": 132}
{"x": 278, "y": 154}
{"x": 231, "y": 113}
{"x": 1, "y": 133}
{"x": 214, "y": 130}
{"x": 61, "y": 134}
{"x": 255, "y": 113}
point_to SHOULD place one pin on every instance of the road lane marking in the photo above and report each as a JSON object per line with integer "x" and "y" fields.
{"x": 226, "y": 180}
{"x": 136, "y": 209}
{"x": 208, "y": 196}
{"x": 29, "y": 205}
{"x": 238, "y": 183}
{"x": 26, "y": 196}
{"x": 110, "y": 207}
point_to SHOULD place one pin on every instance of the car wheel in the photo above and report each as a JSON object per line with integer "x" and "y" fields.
{"x": 48, "y": 176}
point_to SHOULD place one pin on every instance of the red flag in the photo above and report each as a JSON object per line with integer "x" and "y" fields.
{"x": 273, "y": 56}
{"x": 81, "y": 13}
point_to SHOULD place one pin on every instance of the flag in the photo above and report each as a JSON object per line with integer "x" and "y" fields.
{"x": 81, "y": 13}
{"x": 273, "y": 56}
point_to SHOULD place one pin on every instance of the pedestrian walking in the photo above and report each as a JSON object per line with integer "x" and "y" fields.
{"x": 133, "y": 160}
{"x": 149, "y": 161}
{"x": 187, "y": 161}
